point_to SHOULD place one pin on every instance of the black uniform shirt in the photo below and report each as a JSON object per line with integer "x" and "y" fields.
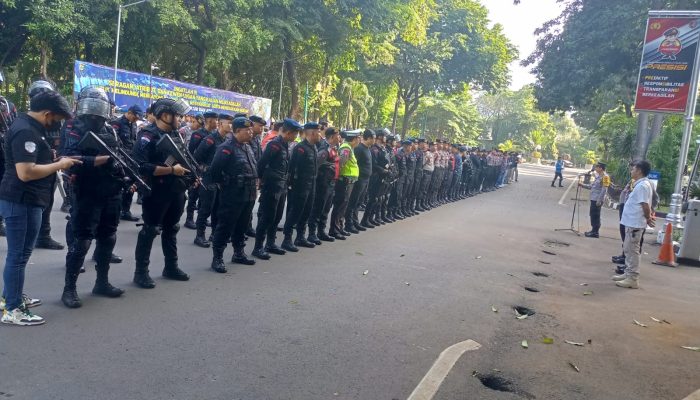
{"x": 125, "y": 131}
{"x": 148, "y": 158}
{"x": 364, "y": 160}
{"x": 303, "y": 166}
{"x": 26, "y": 143}
{"x": 256, "y": 147}
{"x": 196, "y": 139}
{"x": 380, "y": 161}
{"x": 274, "y": 164}
{"x": 233, "y": 167}
{"x": 401, "y": 163}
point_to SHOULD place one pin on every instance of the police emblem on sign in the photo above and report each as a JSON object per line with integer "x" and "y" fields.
{"x": 30, "y": 147}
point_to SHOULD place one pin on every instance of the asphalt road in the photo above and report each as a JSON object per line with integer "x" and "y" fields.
{"x": 311, "y": 325}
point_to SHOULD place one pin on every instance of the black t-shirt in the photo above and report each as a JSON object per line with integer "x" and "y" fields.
{"x": 26, "y": 142}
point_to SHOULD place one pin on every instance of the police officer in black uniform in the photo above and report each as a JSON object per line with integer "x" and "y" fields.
{"x": 165, "y": 205}
{"x": 125, "y": 126}
{"x": 418, "y": 177}
{"x": 209, "y": 196}
{"x": 303, "y": 167}
{"x": 326, "y": 178}
{"x": 390, "y": 180}
{"x": 380, "y": 163}
{"x": 272, "y": 169}
{"x": 233, "y": 169}
{"x": 97, "y": 187}
{"x": 410, "y": 178}
{"x": 359, "y": 190}
{"x": 210, "y": 119}
{"x": 256, "y": 146}
{"x": 396, "y": 199}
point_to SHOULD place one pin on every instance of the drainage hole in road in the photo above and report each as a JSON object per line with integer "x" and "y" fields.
{"x": 540, "y": 274}
{"x": 500, "y": 384}
{"x": 524, "y": 310}
{"x": 556, "y": 243}
{"x": 531, "y": 289}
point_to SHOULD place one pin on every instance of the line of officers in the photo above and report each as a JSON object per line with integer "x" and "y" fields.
{"x": 320, "y": 177}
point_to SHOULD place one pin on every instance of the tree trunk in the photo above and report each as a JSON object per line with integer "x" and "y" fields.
{"x": 396, "y": 111}
{"x": 201, "y": 59}
{"x": 628, "y": 110}
{"x": 89, "y": 51}
{"x": 292, "y": 77}
{"x": 43, "y": 60}
{"x": 324, "y": 85}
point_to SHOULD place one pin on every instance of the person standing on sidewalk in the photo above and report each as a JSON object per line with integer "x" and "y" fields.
{"x": 558, "y": 169}
{"x": 26, "y": 189}
{"x": 599, "y": 189}
{"x": 635, "y": 217}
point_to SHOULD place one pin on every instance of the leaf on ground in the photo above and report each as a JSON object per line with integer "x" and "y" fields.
{"x": 573, "y": 343}
{"x": 478, "y": 257}
{"x": 666, "y": 322}
{"x": 359, "y": 253}
{"x": 522, "y": 316}
{"x": 551, "y": 253}
{"x": 639, "y": 323}
{"x": 572, "y": 365}
{"x": 583, "y": 284}
{"x": 544, "y": 262}
{"x": 407, "y": 283}
{"x": 656, "y": 320}
{"x": 402, "y": 255}
{"x": 366, "y": 272}
{"x": 293, "y": 302}
{"x": 691, "y": 348}
{"x": 494, "y": 309}
{"x": 547, "y": 340}
{"x": 524, "y": 344}
{"x": 587, "y": 293}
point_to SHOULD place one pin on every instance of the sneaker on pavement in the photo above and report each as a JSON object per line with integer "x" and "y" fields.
{"x": 618, "y": 278}
{"x": 628, "y": 283}
{"x": 21, "y": 316}
{"x": 26, "y": 300}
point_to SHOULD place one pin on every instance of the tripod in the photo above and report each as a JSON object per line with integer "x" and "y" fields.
{"x": 575, "y": 212}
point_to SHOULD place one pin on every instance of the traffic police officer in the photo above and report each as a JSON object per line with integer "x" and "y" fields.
{"x": 303, "y": 167}
{"x": 97, "y": 186}
{"x": 273, "y": 169}
{"x": 233, "y": 168}
{"x": 349, "y": 172}
{"x": 599, "y": 190}
{"x": 165, "y": 205}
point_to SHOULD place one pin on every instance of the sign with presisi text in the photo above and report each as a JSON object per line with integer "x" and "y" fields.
{"x": 667, "y": 67}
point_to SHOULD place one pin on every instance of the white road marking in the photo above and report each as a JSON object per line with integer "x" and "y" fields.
{"x": 693, "y": 396}
{"x": 566, "y": 193}
{"x": 431, "y": 382}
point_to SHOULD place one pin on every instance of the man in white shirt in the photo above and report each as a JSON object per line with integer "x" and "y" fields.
{"x": 635, "y": 217}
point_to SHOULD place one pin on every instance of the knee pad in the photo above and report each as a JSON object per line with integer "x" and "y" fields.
{"x": 106, "y": 241}
{"x": 149, "y": 231}
{"x": 81, "y": 246}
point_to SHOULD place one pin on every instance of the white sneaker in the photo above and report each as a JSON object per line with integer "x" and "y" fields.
{"x": 22, "y": 317}
{"x": 628, "y": 283}
{"x": 26, "y": 300}
{"x": 618, "y": 278}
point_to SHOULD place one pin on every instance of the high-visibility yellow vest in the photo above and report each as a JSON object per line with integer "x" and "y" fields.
{"x": 350, "y": 169}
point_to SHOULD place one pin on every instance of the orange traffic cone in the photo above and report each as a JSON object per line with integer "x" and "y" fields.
{"x": 666, "y": 256}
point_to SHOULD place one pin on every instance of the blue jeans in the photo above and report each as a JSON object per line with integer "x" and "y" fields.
{"x": 22, "y": 223}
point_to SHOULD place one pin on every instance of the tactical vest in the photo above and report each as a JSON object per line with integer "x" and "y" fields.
{"x": 350, "y": 169}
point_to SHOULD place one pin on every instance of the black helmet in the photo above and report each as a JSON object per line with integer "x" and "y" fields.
{"x": 178, "y": 107}
{"x": 93, "y": 101}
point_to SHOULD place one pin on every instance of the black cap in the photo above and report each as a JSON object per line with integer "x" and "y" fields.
{"x": 406, "y": 142}
{"x": 331, "y": 131}
{"x": 225, "y": 116}
{"x": 257, "y": 119}
{"x": 602, "y": 165}
{"x": 421, "y": 140}
{"x": 241, "y": 122}
{"x": 199, "y": 117}
{"x": 390, "y": 138}
{"x": 210, "y": 114}
{"x": 368, "y": 134}
{"x": 50, "y": 101}
{"x": 290, "y": 124}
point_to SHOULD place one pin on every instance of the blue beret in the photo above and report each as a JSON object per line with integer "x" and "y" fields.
{"x": 257, "y": 119}
{"x": 421, "y": 140}
{"x": 241, "y": 122}
{"x": 225, "y": 116}
{"x": 136, "y": 110}
{"x": 406, "y": 142}
{"x": 312, "y": 125}
{"x": 290, "y": 124}
{"x": 210, "y": 114}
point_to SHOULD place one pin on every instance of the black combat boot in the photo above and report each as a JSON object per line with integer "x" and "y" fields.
{"x": 240, "y": 257}
{"x": 217, "y": 261}
{"x": 313, "y": 238}
{"x": 201, "y": 240}
{"x": 102, "y": 285}
{"x": 172, "y": 271}
{"x": 301, "y": 241}
{"x": 288, "y": 245}
{"x": 70, "y": 295}
{"x": 141, "y": 277}
{"x": 189, "y": 222}
{"x": 323, "y": 236}
{"x": 365, "y": 222}
{"x": 271, "y": 247}
{"x": 259, "y": 251}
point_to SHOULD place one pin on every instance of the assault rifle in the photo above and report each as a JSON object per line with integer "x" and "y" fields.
{"x": 93, "y": 142}
{"x": 179, "y": 154}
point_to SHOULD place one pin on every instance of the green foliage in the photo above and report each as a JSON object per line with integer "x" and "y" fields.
{"x": 508, "y": 145}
